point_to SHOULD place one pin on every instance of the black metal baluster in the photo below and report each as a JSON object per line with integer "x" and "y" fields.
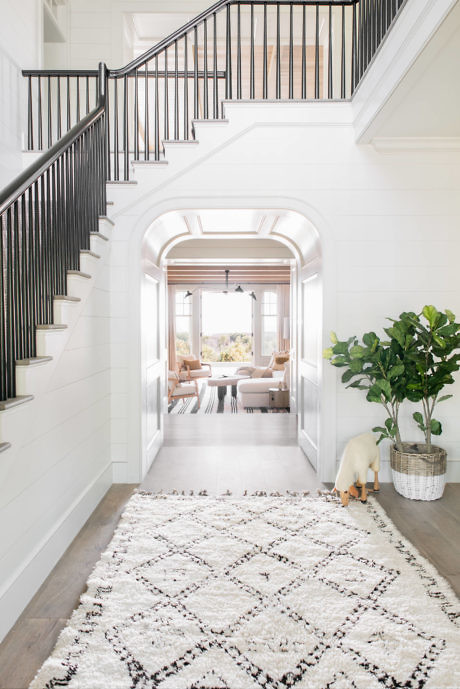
{"x": 30, "y": 117}
{"x": 40, "y": 313}
{"x": 278, "y": 53}
{"x": 126, "y": 127}
{"x": 136, "y": 114}
{"x": 40, "y": 122}
{"x": 87, "y": 95}
{"x": 317, "y": 52}
{"x": 215, "y": 94}
{"x": 252, "y": 59}
{"x": 68, "y": 103}
{"x": 4, "y": 269}
{"x": 116, "y": 158}
{"x": 329, "y": 57}
{"x": 25, "y": 312}
{"x": 186, "y": 125}
{"x": 238, "y": 52}
{"x": 205, "y": 70}
{"x": 354, "y": 57}
{"x": 78, "y": 100}
{"x": 228, "y": 58}
{"x": 31, "y": 274}
{"x": 50, "y": 119}
{"x": 343, "y": 61}
{"x": 18, "y": 306}
{"x": 58, "y": 108}
{"x": 265, "y": 57}
{"x": 157, "y": 113}
{"x": 195, "y": 74}
{"x": 304, "y": 52}
{"x": 146, "y": 113}
{"x": 166, "y": 98}
{"x": 10, "y": 306}
{"x": 291, "y": 53}
{"x": 176, "y": 92}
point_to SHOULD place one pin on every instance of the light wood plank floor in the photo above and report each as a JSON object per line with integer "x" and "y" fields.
{"x": 216, "y": 454}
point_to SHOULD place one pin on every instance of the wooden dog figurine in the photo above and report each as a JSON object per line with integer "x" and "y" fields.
{"x": 361, "y": 453}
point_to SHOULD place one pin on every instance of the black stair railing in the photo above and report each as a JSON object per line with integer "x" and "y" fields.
{"x": 47, "y": 215}
{"x": 253, "y": 49}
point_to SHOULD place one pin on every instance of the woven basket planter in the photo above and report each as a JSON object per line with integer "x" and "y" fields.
{"x": 419, "y": 475}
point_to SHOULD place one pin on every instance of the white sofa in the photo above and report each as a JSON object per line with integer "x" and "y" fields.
{"x": 253, "y": 392}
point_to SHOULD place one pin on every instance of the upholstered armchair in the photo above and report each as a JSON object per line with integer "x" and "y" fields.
{"x": 191, "y": 368}
{"x": 181, "y": 390}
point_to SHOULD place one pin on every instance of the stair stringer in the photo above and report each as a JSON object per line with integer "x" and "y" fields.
{"x": 57, "y": 467}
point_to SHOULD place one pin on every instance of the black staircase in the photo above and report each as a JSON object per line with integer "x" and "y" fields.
{"x": 95, "y": 123}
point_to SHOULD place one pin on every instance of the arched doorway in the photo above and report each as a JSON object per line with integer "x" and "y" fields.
{"x": 313, "y": 388}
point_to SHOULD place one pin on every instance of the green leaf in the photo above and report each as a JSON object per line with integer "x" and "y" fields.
{"x": 418, "y": 418}
{"x": 369, "y": 339}
{"x": 397, "y": 370}
{"x": 328, "y": 353}
{"x": 444, "y": 397}
{"x": 436, "y": 427}
{"x": 347, "y": 376}
{"x": 431, "y": 314}
{"x": 340, "y": 348}
{"x": 450, "y": 315}
{"x": 357, "y": 352}
{"x": 439, "y": 341}
{"x": 379, "y": 429}
{"x": 334, "y": 338}
{"x": 385, "y": 387}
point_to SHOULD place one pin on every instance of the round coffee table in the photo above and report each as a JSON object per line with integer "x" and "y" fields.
{"x": 221, "y": 383}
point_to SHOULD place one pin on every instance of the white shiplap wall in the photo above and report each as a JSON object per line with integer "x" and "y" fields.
{"x": 59, "y": 465}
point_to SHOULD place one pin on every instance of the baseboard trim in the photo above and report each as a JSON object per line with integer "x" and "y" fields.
{"x": 24, "y": 583}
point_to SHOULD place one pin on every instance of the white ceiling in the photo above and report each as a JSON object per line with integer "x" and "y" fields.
{"x": 426, "y": 103}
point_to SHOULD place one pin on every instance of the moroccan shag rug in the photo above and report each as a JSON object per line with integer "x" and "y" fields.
{"x": 243, "y": 593}
{"x": 211, "y": 404}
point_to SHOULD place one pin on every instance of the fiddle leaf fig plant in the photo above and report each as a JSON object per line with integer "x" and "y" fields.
{"x": 373, "y": 366}
{"x": 416, "y": 363}
{"x": 429, "y": 345}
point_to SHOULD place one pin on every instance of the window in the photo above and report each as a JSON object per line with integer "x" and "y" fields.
{"x": 269, "y": 322}
{"x": 183, "y": 323}
{"x": 226, "y": 327}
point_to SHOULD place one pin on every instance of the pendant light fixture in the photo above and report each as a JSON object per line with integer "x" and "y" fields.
{"x": 226, "y": 290}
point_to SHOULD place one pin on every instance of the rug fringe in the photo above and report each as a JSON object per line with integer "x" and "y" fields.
{"x": 228, "y": 493}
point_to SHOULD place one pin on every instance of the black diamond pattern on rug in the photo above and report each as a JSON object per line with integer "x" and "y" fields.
{"x": 262, "y": 592}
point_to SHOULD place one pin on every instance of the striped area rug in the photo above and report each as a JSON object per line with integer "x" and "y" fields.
{"x": 210, "y": 404}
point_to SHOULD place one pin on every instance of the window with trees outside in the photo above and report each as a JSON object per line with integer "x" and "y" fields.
{"x": 226, "y": 325}
{"x": 269, "y": 322}
{"x": 183, "y": 323}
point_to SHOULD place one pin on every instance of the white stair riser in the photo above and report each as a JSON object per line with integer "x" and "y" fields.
{"x": 179, "y": 155}
{"x": 50, "y": 342}
{"x": 99, "y": 245}
{"x": 88, "y": 263}
{"x": 210, "y": 134}
{"x": 65, "y": 311}
{"x": 31, "y": 379}
{"x": 78, "y": 286}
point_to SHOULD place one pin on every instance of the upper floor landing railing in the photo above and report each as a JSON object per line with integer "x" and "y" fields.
{"x": 237, "y": 49}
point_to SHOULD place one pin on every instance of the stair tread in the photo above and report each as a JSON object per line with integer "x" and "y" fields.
{"x": 65, "y": 297}
{"x": 150, "y": 162}
{"x": 121, "y": 181}
{"x": 50, "y": 326}
{"x": 88, "y": 252}
{"x": 212, "y": 121}
{"x": 79, "y": 273}
{"x": 99, "y": 234}
{"x": 180, "y": 141}
{"x": 106, "y": 217}
{"x": 33, "y": 360}
{"x": 4, "y": 446}
{"x": 15, "y": 402}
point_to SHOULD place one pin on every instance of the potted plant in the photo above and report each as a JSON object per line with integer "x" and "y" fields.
{"x": 415, "y": 365}
{"x": 429, "y": 345}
